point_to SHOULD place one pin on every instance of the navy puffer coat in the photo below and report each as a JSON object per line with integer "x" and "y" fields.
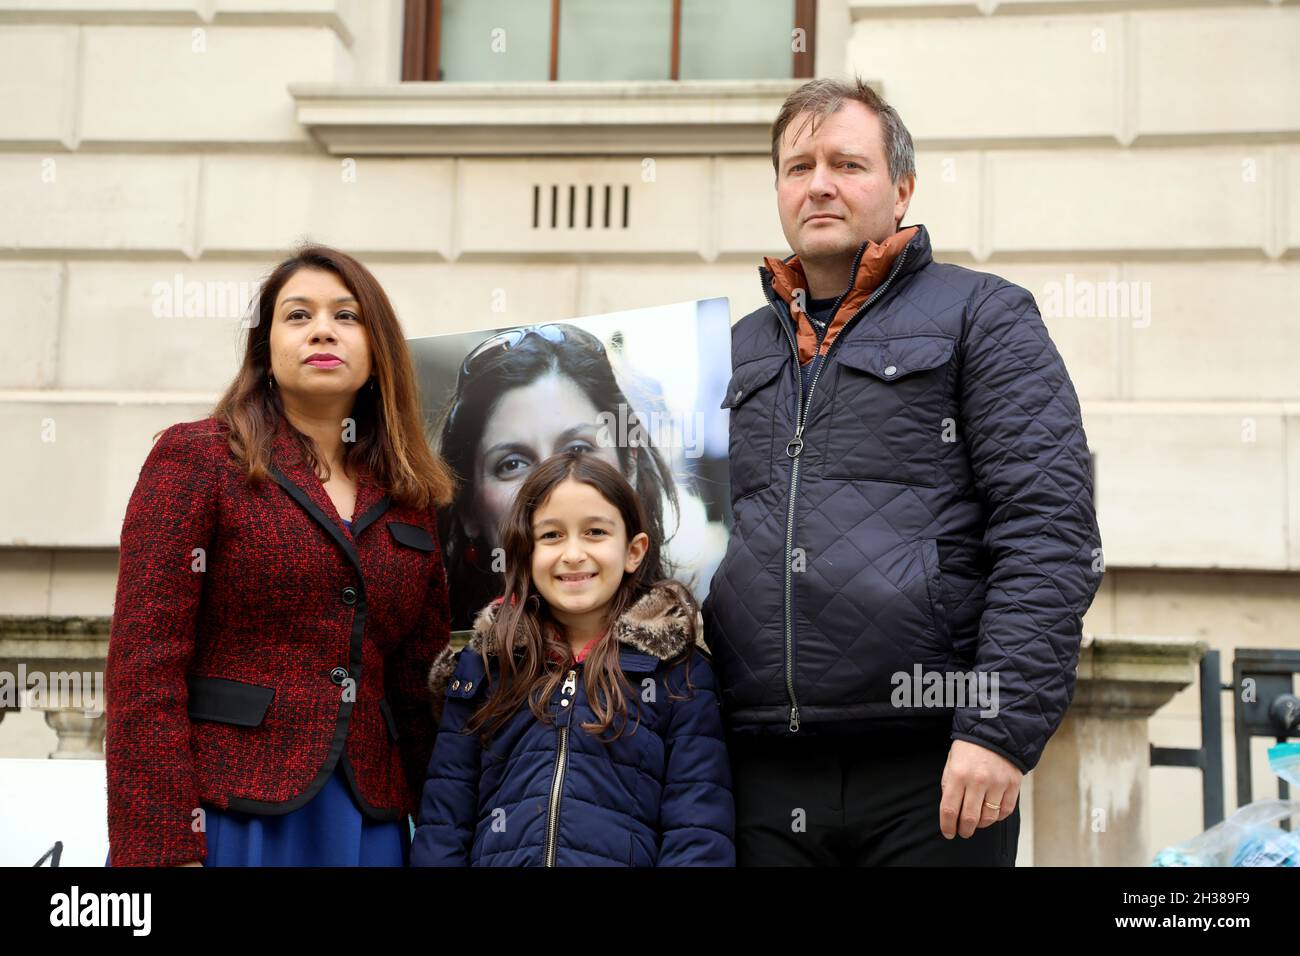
{"x": 930, "y": 508}
{"x": 555, "y": 795}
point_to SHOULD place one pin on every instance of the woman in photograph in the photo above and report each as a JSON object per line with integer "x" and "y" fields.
{"x": 280, "y": 598}
{"x": 521, "y": 396}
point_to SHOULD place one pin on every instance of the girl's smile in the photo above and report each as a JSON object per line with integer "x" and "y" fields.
{"x": 576, "y": 580}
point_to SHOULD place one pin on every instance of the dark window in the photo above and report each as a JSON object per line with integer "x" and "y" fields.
{"x": 607, "y": 40}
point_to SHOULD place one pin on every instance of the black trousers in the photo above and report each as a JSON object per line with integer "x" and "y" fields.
{"x": 852, "y": 800}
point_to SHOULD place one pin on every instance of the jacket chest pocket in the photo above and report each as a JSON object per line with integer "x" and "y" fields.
{"x": 412, "y": 536}
{"x": 892, "y": 410}
{"x": 405, "y": 576}
{"x": 752, "y": 398}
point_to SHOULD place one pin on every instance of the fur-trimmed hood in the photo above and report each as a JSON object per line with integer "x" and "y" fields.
{"x": 658, "y": 624}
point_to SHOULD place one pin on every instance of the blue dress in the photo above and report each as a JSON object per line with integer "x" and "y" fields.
{"x": 330, "y": 830}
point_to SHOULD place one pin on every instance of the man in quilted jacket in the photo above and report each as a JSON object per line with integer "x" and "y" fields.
{"x": 896, "y": 622}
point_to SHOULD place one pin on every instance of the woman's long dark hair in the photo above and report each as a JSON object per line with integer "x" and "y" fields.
{"x": 579, "y": 357}
{"x": 531, "y": 645}
{"x": 390, "y": 430}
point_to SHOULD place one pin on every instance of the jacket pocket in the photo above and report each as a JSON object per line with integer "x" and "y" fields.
{"x": 389, "y": 719}
{"x": 882, "y": 626}
{"x": 228, "y": 701}
{"x": 934, "y": 584}
{"x": 413, "y": 536}
{"x": 752, "y": 401}
{"x": 888, "y": 413}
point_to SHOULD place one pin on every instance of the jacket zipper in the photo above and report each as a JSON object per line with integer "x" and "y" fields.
{"x": 794, "y": 447}
{"x": 561, "y": 762}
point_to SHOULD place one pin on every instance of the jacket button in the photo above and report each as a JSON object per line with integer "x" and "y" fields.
{"x": 891, "y": 369}
{"x": 469, "y": 686}
{"x": 338, "y": 675}
{"x": 349, "y": 596}
{"x": 455, "y": 685}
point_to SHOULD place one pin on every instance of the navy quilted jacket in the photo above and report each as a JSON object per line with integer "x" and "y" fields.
{"x": 932, "y": 509}
{"x": 555, "y": 795}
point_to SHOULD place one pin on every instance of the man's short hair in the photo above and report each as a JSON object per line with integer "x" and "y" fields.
{"x": 820, "y": 98}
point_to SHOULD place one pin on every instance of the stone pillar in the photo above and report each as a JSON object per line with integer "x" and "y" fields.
{"x": 1092, "y": 785}
{"x": 59, "y": 661}
{"x": 81, "y": 737}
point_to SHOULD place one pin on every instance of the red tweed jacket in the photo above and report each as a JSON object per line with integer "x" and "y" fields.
{"x": 257, "y": 644}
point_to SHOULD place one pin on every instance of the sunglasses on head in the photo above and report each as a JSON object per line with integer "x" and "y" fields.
{"x": 511, "y": 338}
{"x": 505, "y": 341}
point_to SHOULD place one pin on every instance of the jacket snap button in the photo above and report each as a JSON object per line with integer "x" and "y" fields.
{"x": 469, "y": 686}
{"x": 739, "y": 392}
{"x": 890, "y": 369}
{"x": 564, "y": 702}
{"x": 338, "y": 675}
{"x": 349, "y": 596}
{"x": 455, "y": 685}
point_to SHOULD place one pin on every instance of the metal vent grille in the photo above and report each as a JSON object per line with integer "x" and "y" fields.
{"x": 578, "y": 206}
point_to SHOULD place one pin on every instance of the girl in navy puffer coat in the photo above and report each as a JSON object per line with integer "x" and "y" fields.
{"x": 596, "y": 739}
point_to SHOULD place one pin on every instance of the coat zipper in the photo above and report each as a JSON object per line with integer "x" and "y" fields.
{"x": 794, "y": 447}
{"x": 561, "y": 762}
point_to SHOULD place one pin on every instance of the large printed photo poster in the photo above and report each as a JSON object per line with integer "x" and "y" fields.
{"x": 641, "y": 389}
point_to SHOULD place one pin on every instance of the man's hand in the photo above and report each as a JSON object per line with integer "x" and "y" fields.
{"x": 973, "y": 775}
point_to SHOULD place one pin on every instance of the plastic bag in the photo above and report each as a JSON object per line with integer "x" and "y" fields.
{"x": 1251, "y": 836}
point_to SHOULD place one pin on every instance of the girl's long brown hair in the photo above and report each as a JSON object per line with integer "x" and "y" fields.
{"x": 530, "y": 675}
{"x": 389, "y": 424}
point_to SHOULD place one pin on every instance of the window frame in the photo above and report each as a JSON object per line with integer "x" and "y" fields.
{"x": 422, "y": 41}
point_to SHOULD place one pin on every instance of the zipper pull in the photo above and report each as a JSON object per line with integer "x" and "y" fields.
{"x": 570, "y": 683}
{"x": 795, "y": 445}
{"x": 794, "y": 719}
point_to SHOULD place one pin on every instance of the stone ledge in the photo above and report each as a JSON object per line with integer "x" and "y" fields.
{"x": 328, "y": 13}
{"x": 528, "y": 119}
{"x": 1124, "y": 676}
{"x": 38, "y": 638}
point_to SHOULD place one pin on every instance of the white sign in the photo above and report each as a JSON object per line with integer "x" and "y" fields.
{"x": 46, "y": 804}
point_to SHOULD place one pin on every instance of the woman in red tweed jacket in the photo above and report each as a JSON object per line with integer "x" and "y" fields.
{"x": 280, "y": 597}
